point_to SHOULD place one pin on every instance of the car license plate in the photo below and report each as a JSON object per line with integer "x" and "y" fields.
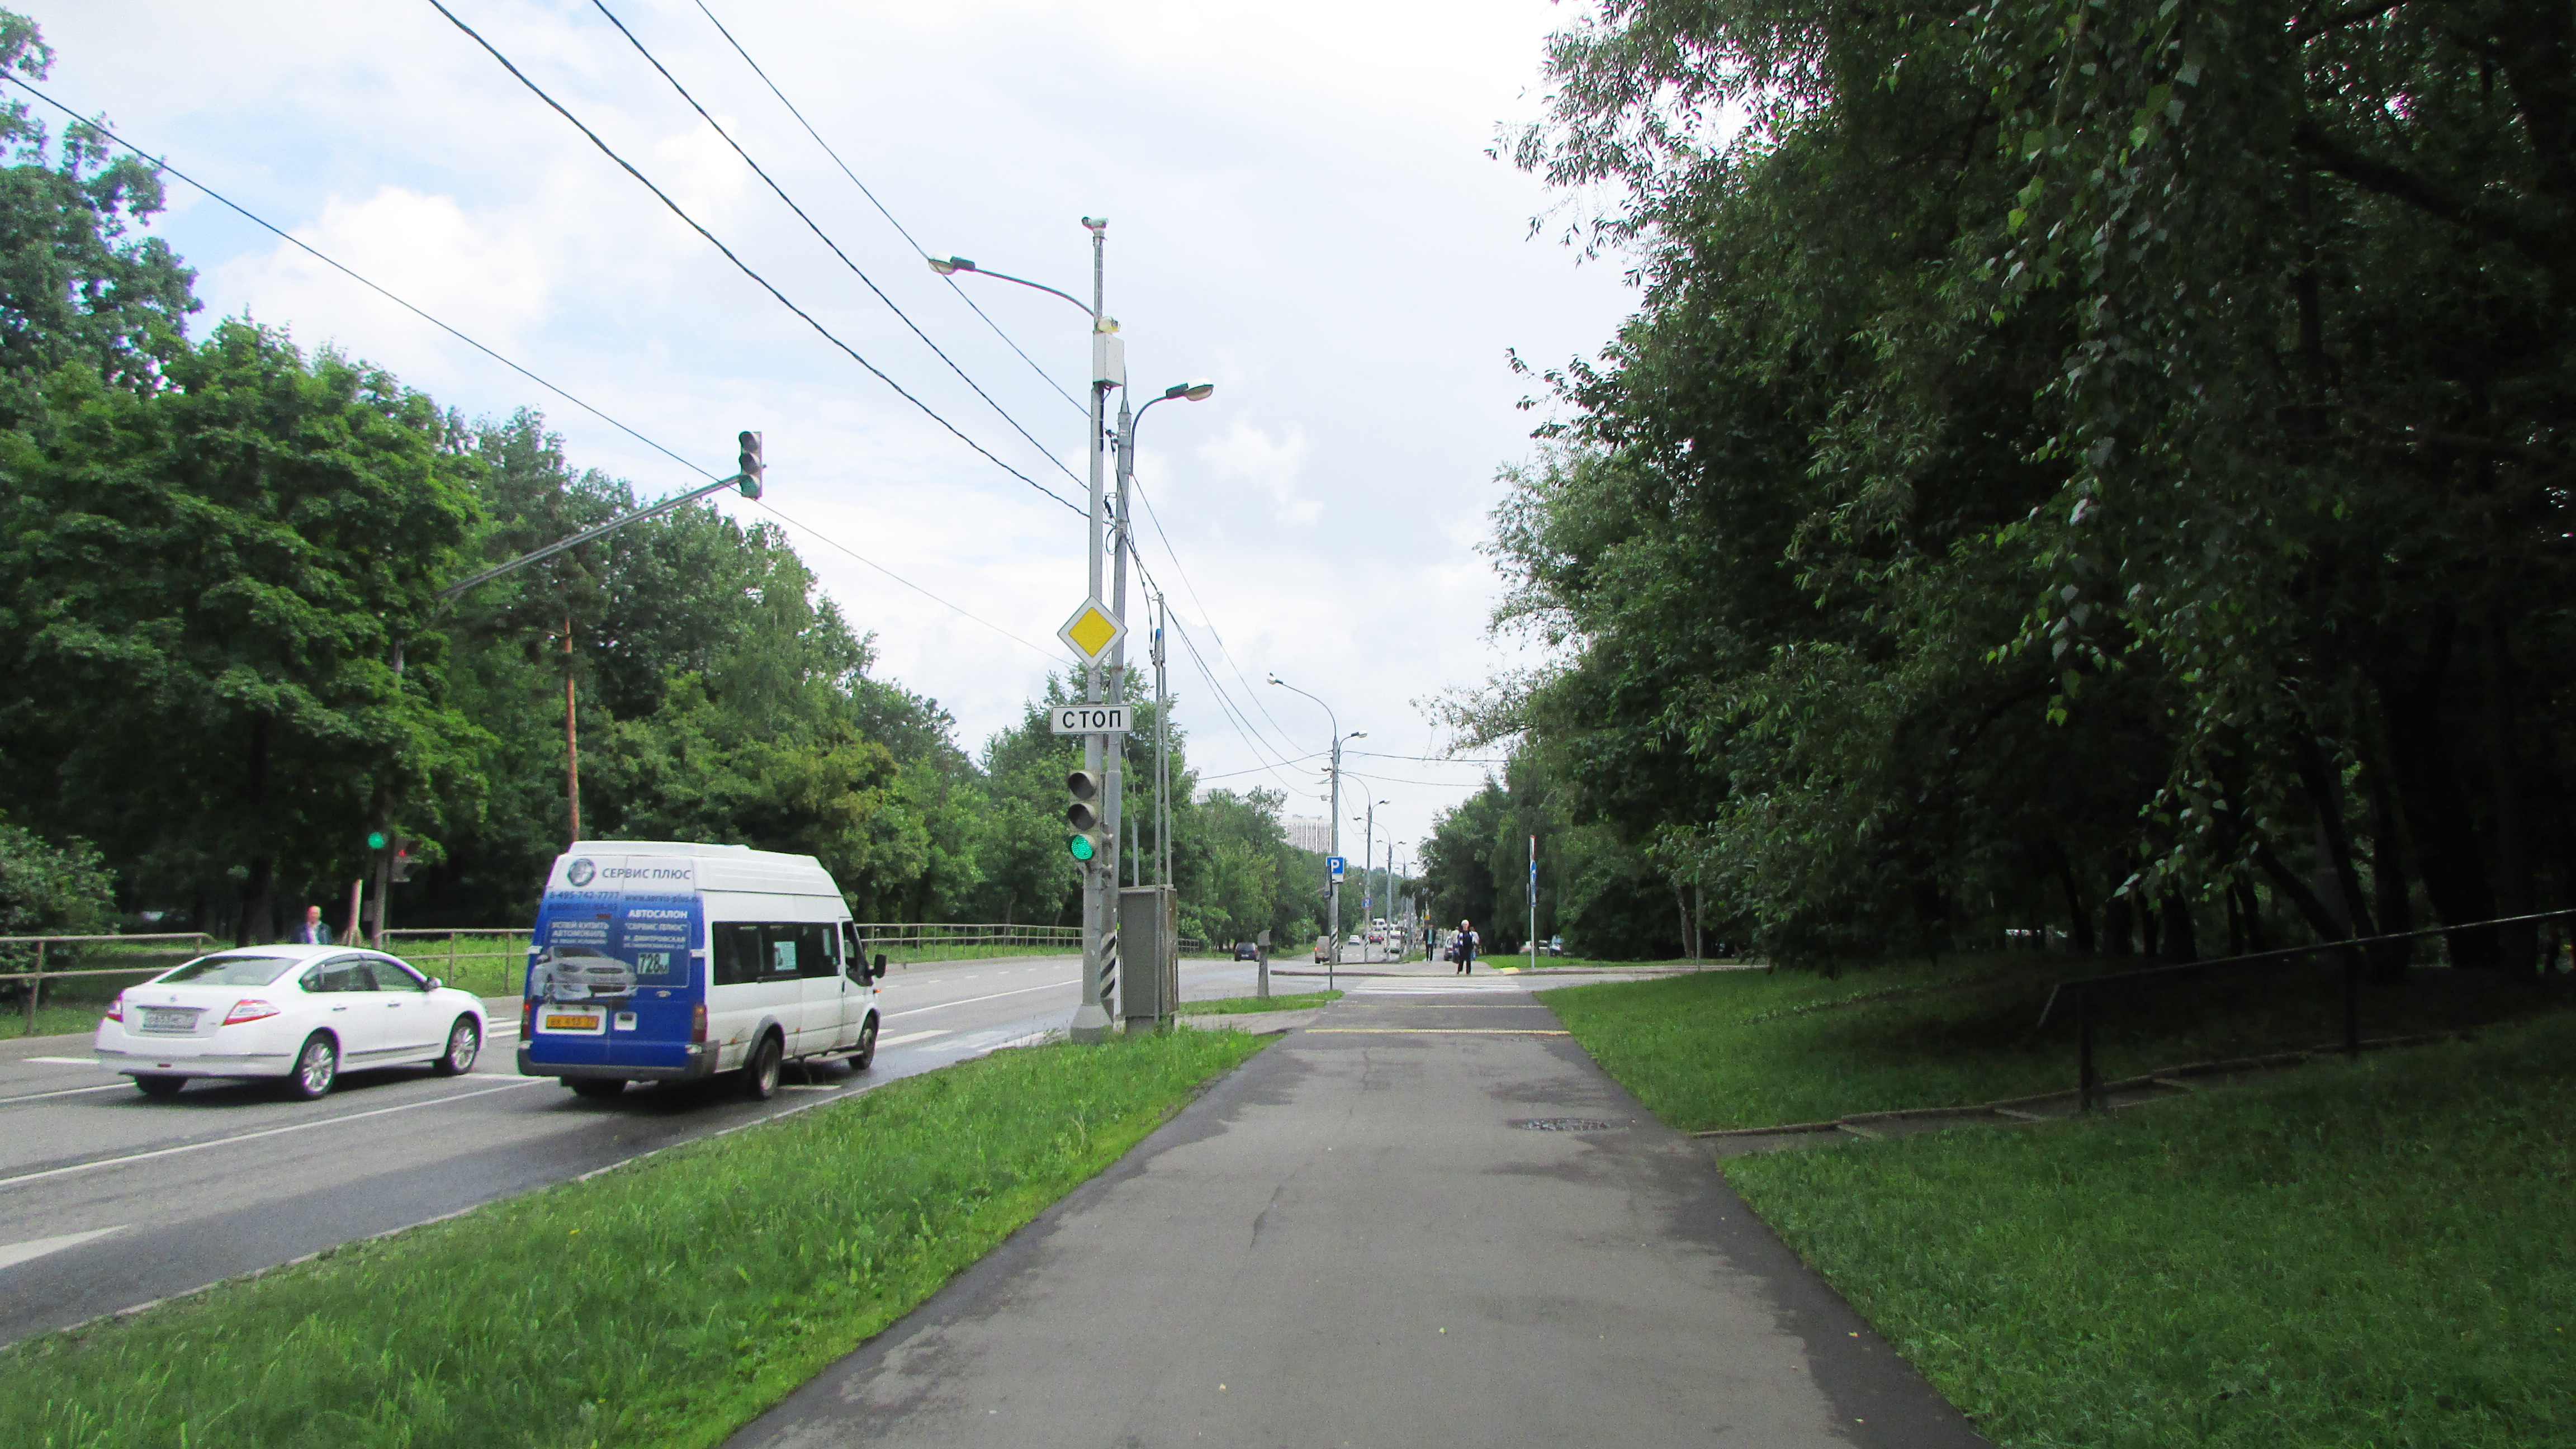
{"x": 571, "y": 1021}
{"x": 164, "y": 1019}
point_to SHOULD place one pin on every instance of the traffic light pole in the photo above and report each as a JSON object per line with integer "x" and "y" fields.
{"x": 1091, "y": 1018}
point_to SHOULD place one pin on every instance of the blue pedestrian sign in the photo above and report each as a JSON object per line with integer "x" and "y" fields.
{"x": 1334, "y": 863}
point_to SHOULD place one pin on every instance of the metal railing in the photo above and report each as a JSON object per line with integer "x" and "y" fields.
{"x": 69, "y": 946}
{"x": 911, "y": 941}
{"x": 2089, "y": 1094}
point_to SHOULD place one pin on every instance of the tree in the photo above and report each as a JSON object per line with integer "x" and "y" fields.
{"x": 204, "y": 585}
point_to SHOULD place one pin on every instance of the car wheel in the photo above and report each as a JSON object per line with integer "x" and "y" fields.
{"x": 861, "y": 1059}
{"x": 464, "y": 1044}
{"x": 316, "y": 1067}
{"x": 160, "y": 1086}
{"x": 760, "y": 1074}
{"x": 598, "y": 1086}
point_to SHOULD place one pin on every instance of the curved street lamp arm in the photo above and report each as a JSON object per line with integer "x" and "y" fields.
{"x": 945, "y": 265}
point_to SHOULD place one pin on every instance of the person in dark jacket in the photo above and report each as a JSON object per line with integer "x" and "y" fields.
{"x": 1463, "y": 950}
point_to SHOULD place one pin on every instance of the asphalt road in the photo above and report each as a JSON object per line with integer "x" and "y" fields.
{"x": 110, "y": 1199}
{"x": 1359, "y": 1239}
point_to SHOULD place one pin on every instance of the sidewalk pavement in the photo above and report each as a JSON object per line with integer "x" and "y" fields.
{"x": 1362, "y": 1239}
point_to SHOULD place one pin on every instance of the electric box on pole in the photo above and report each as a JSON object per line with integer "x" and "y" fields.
{"x": 1149, "y": 950}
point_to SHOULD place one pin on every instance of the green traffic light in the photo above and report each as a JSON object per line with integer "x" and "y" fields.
{"x": 1081, "y": 846}
{"x": 375, "y": 840}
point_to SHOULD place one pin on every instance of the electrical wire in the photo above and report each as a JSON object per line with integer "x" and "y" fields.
{"x": 826, "y": 538}
{"x": 820, "y": 235}
{"x": 1183, "y": 570}
{"x": 739, "y": 264}
{"x": 265, "y": 225}
{"x": 900, "y": 229}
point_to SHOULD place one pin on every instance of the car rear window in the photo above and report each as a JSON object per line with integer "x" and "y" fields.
{"x": 232, "y": 970}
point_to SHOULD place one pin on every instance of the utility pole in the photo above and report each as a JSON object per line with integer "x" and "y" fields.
{"x": 1332, "y": 886}
{"x": 572, "y": 740}
{"x": 1163, "y": 759}
{"x": 1533, "y": 903}
{"x": 1091, "y": 1018}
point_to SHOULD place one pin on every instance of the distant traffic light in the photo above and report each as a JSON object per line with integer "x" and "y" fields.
{"x": 376, "y": 840}
{"x": 749, "y": 464}
{"x": 403, "y": 858}
{"x": 1083, "y": 814}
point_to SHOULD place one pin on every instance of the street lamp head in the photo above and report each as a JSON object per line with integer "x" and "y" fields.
{"x": 1096, "y": 223}
{"x": 1196, "y": 390}
{"x": 1359, "y": 734}
{"x": 945, "y": 265}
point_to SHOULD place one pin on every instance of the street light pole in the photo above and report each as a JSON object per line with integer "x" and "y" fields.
{"x": 1332, "y": 888}
{"x": 1197, "y": 390}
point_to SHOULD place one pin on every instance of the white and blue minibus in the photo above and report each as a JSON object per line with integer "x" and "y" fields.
{"x": 664, "y": 961}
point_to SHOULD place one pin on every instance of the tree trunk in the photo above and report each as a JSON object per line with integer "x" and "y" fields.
{"x": 259, "y": 890}
{"x": 2181, "y": 941}
{"x": 2334, "y": 842}
{"x": 2320, "y": 919}
{"x": 2115, "y": 926}
{"x": 2387, "y": 881}
{"x": 2517, "y": 946}
{"x": 2251, "y": 906}
{"x": 2080, "y": 921}
{"x": 2449, "y": 858}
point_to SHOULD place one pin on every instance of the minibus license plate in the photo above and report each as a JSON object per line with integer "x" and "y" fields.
{"x": 572, "y": 1021}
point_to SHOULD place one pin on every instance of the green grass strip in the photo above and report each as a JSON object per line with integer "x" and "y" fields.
{"x": 1228, "y": 1005}
{"x": 663, "y": 1304}
{"x": 1759, "y": 1049}
{"x": 2380, "y": 1253}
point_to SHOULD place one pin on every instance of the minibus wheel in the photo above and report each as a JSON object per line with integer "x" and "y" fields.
{"x": 867, "y": 1051}
{"x": 760, "y": 1074}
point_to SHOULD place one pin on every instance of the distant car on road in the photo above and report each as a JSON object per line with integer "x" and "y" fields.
{"x": 1246, "y": 951}
{"x": 302, "y": 1014}
{"x": 1322, "y": 943}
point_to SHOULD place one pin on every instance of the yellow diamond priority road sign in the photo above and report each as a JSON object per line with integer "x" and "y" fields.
{"x": 1092, "y": 630}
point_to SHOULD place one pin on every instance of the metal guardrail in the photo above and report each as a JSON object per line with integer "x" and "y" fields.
{"x": 36, "y": 977}
{"x": 2089, "y": 1095}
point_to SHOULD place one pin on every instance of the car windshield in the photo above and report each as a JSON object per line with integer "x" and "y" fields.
{"x": 231, "y": 970}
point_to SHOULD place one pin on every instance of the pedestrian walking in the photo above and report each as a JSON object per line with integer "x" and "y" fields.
{"x": 312, "y": 932}
{"x": 1463, "y": 950}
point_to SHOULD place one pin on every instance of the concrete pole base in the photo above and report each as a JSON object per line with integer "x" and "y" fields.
{"x": 1091, "y": 1024}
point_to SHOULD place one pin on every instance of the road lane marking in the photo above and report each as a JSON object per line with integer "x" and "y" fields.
{"x": 63, "y": 1061}
{"x": 971, "y": 1000}
{"x": 65, "y": 1092}
{"x": 12, "y": 1254}
{"x": 53, "y": 1172}
{"x": 1419, "y": 1031}
{"x": 908, "y": 1038}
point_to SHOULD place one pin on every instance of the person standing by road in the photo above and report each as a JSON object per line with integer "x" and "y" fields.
{"x": 312, "y": 932}
{"x": 1463, "y": 950}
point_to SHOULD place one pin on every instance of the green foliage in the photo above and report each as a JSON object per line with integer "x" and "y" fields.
{"x": 52, "y": 890}
{"x": 664, "y": 1304}
{"x": 2377, "y": 1253}
{"x": 2069, "y": 467}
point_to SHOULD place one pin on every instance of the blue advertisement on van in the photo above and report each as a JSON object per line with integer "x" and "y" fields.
{"x": 616, "y": 968}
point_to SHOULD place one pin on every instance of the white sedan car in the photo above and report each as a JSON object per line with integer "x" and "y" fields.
{"x": 301, "y": 1013}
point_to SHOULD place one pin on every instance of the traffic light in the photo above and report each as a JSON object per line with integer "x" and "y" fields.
{"x": 403, "y": 858}
{"x": 1083, "y": 814}
{"x": 749, "y": 464}
{"x": 376, "y": 840}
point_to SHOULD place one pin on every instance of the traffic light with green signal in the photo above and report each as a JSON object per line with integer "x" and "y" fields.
{"x": 1083, "y": 814}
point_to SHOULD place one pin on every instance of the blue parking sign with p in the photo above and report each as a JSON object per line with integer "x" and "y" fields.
{"x": 1334, "y": 862}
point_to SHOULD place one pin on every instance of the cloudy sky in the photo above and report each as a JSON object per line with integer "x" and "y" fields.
{"x": 1300, "y": 209}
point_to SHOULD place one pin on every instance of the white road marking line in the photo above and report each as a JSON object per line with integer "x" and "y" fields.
{"x": 63, "y": 1061}
{"x": 52, "y": 1172}
{"x": 15, "y": 1253}
{"x": 65, "y": 1092}
{"x": 908, "y": 1038}
{"x": 971, "y": 1000}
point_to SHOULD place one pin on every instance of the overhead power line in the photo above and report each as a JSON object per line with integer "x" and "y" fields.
{"x": 820, "y": 235}
{"x": 265, "y": 225}
{"x": 1183, "y": 569}
{"x": 739, "y": 264}
{"x": 1070, "y": 400}
{"x": 299, "y": 244}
